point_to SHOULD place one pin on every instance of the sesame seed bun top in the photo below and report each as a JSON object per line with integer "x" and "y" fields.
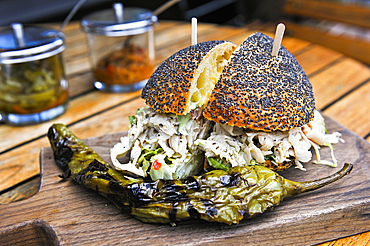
{"x": 261, "y": 92}
{"x": 185, "y": 80}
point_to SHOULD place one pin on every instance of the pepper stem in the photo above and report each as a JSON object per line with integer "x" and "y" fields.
{"x": 294, "y": 188}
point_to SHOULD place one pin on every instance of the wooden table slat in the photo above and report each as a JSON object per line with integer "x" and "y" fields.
{"x": 347, "y": 110}
{"x": 316, "y": 58}
{"x": 336, "y": 80}
{"x": 79, "y": 108}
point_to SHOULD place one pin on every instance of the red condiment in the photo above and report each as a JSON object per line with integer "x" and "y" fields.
{"x": 129, "y": 65}
{"x": 156, "y": 165}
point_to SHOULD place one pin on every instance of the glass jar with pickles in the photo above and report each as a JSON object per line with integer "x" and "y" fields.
{"x": 33, "y": 88}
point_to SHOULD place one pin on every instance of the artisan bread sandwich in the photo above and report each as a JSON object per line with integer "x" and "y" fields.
{"x": 217, "y": 106}
{"x": 264, "y": 110}
{"x": 161, "y": 139}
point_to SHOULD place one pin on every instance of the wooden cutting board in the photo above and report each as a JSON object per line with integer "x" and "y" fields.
{"x": 64, "y": 213}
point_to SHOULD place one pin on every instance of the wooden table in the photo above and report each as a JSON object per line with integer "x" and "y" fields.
{"x": 341, "y": 86}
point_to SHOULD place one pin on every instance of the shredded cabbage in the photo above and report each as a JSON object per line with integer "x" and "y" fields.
{"x": 174, "y": 135}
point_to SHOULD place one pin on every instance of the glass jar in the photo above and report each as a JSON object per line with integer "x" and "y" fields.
{"x": 33, "y": 88}
{"x": 121, "y": 47}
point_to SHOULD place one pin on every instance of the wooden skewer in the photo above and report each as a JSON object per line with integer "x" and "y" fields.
{"x": 278, "y": 38}
{"x": 194, "y": 31}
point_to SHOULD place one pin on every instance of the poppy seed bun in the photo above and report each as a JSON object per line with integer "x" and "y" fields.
{"x": 262, "y": 92}
{"x": 186, "y": 79}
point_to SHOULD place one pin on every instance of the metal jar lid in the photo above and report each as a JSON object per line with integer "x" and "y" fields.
{"x": 118, "y": 22}
{"x": 20, "y": 43}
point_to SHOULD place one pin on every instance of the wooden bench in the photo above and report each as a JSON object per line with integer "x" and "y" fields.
{"x": 354, "y": 16}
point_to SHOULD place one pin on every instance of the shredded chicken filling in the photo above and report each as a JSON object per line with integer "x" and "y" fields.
{"x": 177, "y": 144}
{"x": 242, "y": 147}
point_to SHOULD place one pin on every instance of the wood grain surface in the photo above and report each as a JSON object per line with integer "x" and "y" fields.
{"x": 73, "y": 215}
{"x": 340, "y": 11}
{"x": 342, "y": 91}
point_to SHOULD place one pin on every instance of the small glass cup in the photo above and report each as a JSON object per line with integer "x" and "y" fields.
{"x": 121, "y": 46}
{"x": 33, "y": 88}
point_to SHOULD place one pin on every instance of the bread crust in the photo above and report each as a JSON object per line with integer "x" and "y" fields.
{"x": 168, "y": 89}
{"x": 262, "y": 92}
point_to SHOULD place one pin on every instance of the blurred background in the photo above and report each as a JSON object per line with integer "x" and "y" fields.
{"x": 342, "y": 25}
{"x": 233, "y": 12}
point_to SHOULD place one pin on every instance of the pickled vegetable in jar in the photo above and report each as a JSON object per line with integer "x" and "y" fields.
{"x": 33, "y": 87}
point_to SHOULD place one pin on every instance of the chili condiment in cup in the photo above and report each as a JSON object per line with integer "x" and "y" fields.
{"x": 121, "y": 47}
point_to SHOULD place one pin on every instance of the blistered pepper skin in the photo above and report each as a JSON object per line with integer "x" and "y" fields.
{"x": 217, "y": 196}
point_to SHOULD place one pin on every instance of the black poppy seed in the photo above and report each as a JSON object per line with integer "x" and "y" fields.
{"x": 273, "y": 82}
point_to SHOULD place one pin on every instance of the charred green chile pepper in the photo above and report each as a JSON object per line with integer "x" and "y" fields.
{"x": 218, "y": 196}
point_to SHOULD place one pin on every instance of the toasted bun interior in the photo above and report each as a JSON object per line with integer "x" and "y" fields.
{"x": 262, "y": 92}
{"x": 207, "y": 75}
{"x": 186, "y": 79}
